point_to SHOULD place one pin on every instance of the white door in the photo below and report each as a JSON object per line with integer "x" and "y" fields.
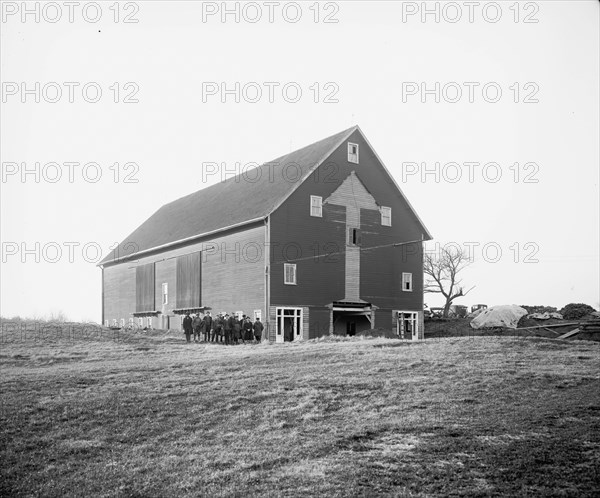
{"x": 407, "y": 324}
{"x": 289, "y": 324}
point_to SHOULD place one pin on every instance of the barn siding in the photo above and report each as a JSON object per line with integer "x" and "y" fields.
{"x": 233, "y": 277}
{"x": 189, "y": 281}
{"x": 144, "y": 288}
{"x": 300, "y": 238}
{"x": 380, "y": 268}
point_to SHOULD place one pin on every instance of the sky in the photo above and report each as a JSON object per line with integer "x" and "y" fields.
{"x": 487, "y": 117}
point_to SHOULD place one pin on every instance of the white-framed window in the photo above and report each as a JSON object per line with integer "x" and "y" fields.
{"x": 352, "y": 153}
{"x": 407, "y": 282}
{"x": 106, "y": 323}
{"x": 316, "y": 206}
{"x": 122, "y": 322}
{"x": 165, "y": 293}
{"x": 140, "y": 322}
{"x": 354, "y": 237}
{"x": 407, "y": 324}
{"x": 149, "y": 322}
{"x": 239, "y": 314}
{"x": 258, "y": 314}
{"x": 386, "y": 216}
{"x": 114, "y": 322}
{"x": 289, "y": 274}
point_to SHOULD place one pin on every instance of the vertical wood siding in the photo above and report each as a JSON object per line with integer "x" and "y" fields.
{"x": 232, "y": 277}
{"x": 189, "y": 281}
{"x": 380, "y": 268}
{"x": 144, "y": 288}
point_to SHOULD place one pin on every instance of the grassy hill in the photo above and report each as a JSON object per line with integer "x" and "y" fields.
{"x": 106, "y": 414}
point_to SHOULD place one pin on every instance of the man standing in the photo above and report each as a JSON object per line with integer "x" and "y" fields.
{"x": 247, "y": 326}
{"x": 258, "y": 329}
{"x": 227, "y": 328}
{"x": 197, "y": 323}
{"x": 207, "y": 326}
{"x": 187, "y": 326}
{"x": 217, "y": 324}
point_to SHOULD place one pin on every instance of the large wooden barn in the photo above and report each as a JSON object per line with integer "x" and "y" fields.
{"x": 320, "y": 241}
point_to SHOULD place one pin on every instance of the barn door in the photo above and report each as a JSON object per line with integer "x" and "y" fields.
{"x": 407, "y": 323}
{"x": 289, "y": 324}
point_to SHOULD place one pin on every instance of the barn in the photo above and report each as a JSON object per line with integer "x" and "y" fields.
{"x": 319, "y": 241}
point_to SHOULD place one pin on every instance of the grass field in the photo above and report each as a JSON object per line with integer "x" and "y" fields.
{"x": 99, "y": 414}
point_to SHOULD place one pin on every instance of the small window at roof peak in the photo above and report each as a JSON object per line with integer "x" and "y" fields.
{"x": 352, "y": 153}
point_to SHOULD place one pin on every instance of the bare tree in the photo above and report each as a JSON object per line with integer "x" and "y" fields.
{"x": 441, "y": 272}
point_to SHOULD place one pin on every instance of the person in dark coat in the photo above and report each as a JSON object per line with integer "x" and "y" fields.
{"x": 197, "y": 323}
{"x": 237, "y": 330}
{"x": 247, "y": 326}
{"x": 228, "y": 328}
{"x": 258, "y": 329}
{"x": 217, "y": 328}
{"x": 187, "y": 326}
{"x": 208, "y": 323}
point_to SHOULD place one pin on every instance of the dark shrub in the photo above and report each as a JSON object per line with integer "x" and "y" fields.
{"x": 574, "y": 311}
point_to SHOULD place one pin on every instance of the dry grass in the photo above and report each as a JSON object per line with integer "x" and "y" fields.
{"x": 152, "y": 416}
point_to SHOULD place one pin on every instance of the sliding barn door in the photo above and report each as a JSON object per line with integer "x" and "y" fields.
{"x": 188, "y": 281}
{"x": 144, "y": 288}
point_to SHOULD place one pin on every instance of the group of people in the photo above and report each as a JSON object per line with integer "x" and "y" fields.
{"x": 224, "y": 328}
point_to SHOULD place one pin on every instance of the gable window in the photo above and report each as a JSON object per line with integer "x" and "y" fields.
{"x": 352, "y": 153}
{"x": 316, "y": 206}
{"x": 289, "y": 277}
{"x": 354, "y": 238}
{"x": 386, "y": 216}
{"x": 407, "y": 282}
{"x": 165, "y": 293}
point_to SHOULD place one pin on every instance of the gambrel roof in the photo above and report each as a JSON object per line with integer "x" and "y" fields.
{"x": 239, "y": 200}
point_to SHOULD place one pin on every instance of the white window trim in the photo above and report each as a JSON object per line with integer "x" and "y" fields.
{"x": 353, "y": 158}
{"x": 316, "y": 202}
{"x": 165, "y": 293}
{"x": 351, "y": 232}
{"x": 298, "y": 314}
{"x": 407, "y": 277}
{"x": 122, "y": 322}
{"x": 258, "y": 314}
{"x": 141, "y": 322}
{"x": 414, "y": 319}
{"x": 388, "y": 211}
{"x": 285, "y": 272}
{"x": 149, "y": 322}
{"x": 106, "y": 323}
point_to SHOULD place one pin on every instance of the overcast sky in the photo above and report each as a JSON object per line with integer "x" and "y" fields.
{"x": 517, "y": 94}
